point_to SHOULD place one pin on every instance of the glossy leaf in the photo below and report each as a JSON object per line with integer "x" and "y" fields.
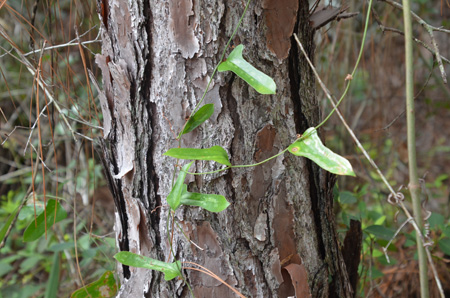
{"x": 255, "y": 78}
{"x": 170, "y": 270}
{"x": 33, "y": 231}
{"x": 104, "y": 287}
{"x": 174, "y": 198}
{"x": 199, "y": 117}
{"x": 312, "y": 147}
{"x": 210, "y": 202}
{"x": 215, "y": 153}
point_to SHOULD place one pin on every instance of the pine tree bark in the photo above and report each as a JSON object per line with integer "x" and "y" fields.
{"x": 156, "y": 60}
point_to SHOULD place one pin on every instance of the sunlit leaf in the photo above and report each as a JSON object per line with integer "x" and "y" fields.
{"x": 215, "y": 153}
{"x": 33, "y": 231}
{"x": 104, "y": 287}
{"x": 170, "y": 270}
{"x": 174, "y": 198}
{"x": 199, "y": 117}
{"x": 255, "y": 78}
{"x": 312, "y": 147}
{"x": 380, "y": 220}
{"x": 210, "y": 202}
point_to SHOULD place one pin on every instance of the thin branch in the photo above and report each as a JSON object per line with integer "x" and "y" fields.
{"x": 395, "y": 30}
{"x": 24, "y": 200}
{"x": 41, "y": 82}
{"x": 9, "y": 134}
{"x": 372, "y": 163}
{"x": 429, "y": 28}
{"x": 72, "y": 43}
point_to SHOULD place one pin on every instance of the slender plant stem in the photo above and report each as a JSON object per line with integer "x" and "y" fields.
{"x": 414, "y": 186}
{"x": 215, "y": 69}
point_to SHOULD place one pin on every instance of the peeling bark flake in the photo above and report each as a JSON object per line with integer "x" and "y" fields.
{"x": 260, "y": 230}
{"x": 280, "y": 18}
{"x": 182, "y": 25}
{"x": 299, "y": 278}
{"x": 106, "y": 112}
{"x": 122, "y": 113}
{"x": 265, "y": 140}
{"x": 212, "y": 257}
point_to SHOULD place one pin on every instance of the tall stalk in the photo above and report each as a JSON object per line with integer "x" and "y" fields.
{"x": 414, "y": 186}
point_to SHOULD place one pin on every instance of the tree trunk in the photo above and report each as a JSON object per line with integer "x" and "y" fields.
{"x": 156, "y": 61}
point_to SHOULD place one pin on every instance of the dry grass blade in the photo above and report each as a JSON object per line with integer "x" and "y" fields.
{"x": 33, "y": 72}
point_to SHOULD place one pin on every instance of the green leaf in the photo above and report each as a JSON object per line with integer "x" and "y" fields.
{"x": 210, "y": 202}
{"x": 446, "y": 231}
{"x": 436, "y": 220}
{"x": 51, "y": 289}
{"x": 346, "y": 197}
{"x": 7, "y": 224}
{"x": 33, "y": 231}
{"x": 255, "y": 78}
{"x": 105, "y": 286}
{"x": 170, "y": 270}
{"x": 444, "y": 245}
{"x": 199, "y": 117}
{"x": 311, "y": 147}
{"x": 174, "y": 198}
{"x": 215, "y": 153}
{"x": 380, "y": 220}
{"x": 377, "y": 253}
{"x": 57, "y": 247}
{"x": 380, "y": 232}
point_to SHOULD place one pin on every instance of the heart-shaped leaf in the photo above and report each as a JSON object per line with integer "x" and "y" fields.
{"x": 255, "y": 78}
{"x": 37, "y": 229}
{"x": 312, "y": 147}
{"x": 174, "y": 198}
{"x": 199, "y": 117}
{"x": 210, "y": 202}
{"x": 215, "y": 153}
{"x": 170, "y": 270}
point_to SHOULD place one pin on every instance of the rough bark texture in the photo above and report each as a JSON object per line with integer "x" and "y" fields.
{"x": 156, "y": 61}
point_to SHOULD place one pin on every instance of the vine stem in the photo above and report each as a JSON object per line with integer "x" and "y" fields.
{"x": 414, "y": 187}
{"x": 215, "y": 68}
{"x": 393, "y": 194}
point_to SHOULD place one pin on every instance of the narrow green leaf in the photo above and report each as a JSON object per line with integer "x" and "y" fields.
{"x": 51, "y": 289}
{"x": 199, "y": 117}
{"x": 7, "y": 224}
{"x": 210, "y": 202}
{"x": 174, "y": 198}
{"x": 215, "y": 153}
{"x": 33, "y": 232}
{"x": 255, "y": 78}
{"x": 170, "y": 270}
{"x": 104, "y": 287}
{"x": 311, "y": 147}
